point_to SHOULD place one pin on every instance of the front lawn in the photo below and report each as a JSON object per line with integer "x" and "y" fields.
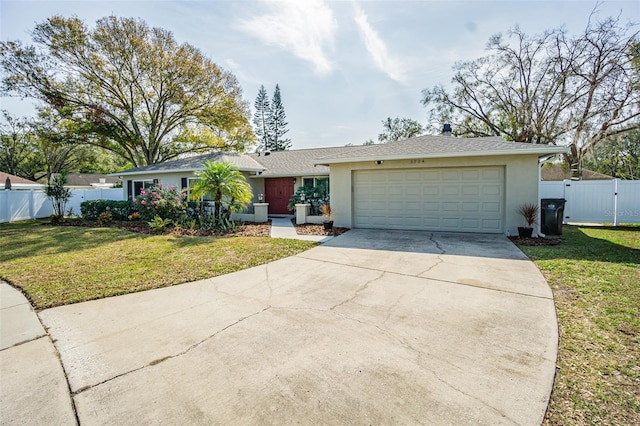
{"x": 58, "y": 265}
{"x": 595, "y": 277}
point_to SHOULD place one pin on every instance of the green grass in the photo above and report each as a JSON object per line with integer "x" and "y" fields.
{"x": 595, "y": 277}
{"x": 58, "y": 265}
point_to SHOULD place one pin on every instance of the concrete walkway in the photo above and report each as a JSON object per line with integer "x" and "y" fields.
{"x": 372, "y": 327}
{"x": 283, "y": 228}
{"x": 33, "y": 387}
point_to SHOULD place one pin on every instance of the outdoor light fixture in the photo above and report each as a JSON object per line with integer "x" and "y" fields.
{"x": 294, "y": 180}
{"x": 303, "y": 197}
{"x": 378, "y": 162}
{"x": 260, "y": 197}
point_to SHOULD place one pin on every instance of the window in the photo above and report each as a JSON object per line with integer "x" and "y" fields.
{"x": 319, "y": 184}
{"x": 322, "y": 186}
{"x": 139, "y": 184}
{"x": 190, "y": 183}
{"x": 308, "y": 183}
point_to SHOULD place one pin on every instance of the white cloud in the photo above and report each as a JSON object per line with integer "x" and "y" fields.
{"x": 305, "y": 28}
{"x": 392, "y": 67}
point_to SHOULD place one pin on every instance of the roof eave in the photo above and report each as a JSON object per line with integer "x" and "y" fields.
{"x": 180, "y": 170}
{"x": 281, "y": 175}
{"x": 540, "y": 151}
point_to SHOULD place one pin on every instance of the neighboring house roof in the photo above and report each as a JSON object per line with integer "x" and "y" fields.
{"x": 242, "y": 161}
{"x": 558, "y": 172}
{"x": 299, "y": 162}
{"x": 90, "y": 179}
{"x": 16, "y": 179}
{"x": 429, "y": 146}
{"x": 17, "y": 182}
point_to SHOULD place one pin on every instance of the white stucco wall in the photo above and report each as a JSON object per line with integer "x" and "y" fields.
{"x": 521, "y": 183}
{"x": 175, "y": 178}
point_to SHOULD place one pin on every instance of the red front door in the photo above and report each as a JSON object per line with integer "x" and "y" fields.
{"x": 278, "y": 192}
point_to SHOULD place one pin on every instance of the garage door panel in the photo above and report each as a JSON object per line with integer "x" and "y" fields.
{"x": 492, "y": 174}
{"x": 450, "y": 175}
{"x": 431, "y": 176}
{"x": 471, "y": 174}
{"x": 470, "y": 223}
{"x": 464, "y": 199}
{"x": 451, "y": 190}
{"x": 471, "y": 207}
{"x": 430, "y": 190}
{"x": 491, "y": 190}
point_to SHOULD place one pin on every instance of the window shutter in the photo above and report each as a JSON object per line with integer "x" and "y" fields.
{"x": 129, "y": 190}
{"x": 184, "y": 183}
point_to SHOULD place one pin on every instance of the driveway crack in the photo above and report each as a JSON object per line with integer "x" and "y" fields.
{"x": 168, "y": 357}
{"x": 436, "y": 243}
{"x": 359, "y": 290}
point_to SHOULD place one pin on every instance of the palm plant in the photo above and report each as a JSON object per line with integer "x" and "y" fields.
{"x": 529, "y": 212}
{"x": 226, "y": 184}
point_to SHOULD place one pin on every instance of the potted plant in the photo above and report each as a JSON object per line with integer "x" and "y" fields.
{"x": 325, "y": 210}
{"x": 529, "y": 212}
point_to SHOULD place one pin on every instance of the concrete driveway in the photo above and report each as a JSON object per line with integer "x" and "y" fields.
{"x": 373, "y": 327}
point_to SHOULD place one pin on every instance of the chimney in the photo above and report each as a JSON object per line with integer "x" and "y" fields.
{"x": 446, "y": 130}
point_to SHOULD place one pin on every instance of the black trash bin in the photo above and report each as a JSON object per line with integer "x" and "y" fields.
{"x": 552, "y": 215}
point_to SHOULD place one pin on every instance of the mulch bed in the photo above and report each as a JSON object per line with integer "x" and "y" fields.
{"x": 313, "y": 229}
{"x": 535, "y": 241}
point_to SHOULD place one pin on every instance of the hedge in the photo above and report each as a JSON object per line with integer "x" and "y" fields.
{"x": 120, "y": 210}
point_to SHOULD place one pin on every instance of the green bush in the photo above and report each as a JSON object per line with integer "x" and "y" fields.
{"x": 120, "y": 210}
{"x": 168, "y": 202}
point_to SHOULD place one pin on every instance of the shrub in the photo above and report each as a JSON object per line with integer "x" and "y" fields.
{"x": 58, "y": 194}
{"x": 105, "y": 219}
{"x": 165, "y": 202}
{"x": 135, "y": 216}
{"x": 57, "y": 219}
{"x": 120, "y": 210}
{"x": 159, "y": 224}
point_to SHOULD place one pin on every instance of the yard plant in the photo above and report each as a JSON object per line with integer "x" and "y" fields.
{"x": 595, "y": 278}
{"x": 59, "y": 265}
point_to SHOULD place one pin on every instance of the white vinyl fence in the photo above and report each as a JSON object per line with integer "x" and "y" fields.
{"x": 34, "y": 204}
{"x": 596, "y": 201}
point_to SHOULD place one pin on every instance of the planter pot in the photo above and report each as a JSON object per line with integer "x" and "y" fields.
{"x": 328, "y": 225}
{"x": 524, "y": 232}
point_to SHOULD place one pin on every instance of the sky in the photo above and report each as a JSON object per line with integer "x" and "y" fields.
{"x": 342, "y": 66}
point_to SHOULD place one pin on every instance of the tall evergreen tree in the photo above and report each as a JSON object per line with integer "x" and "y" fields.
{"x": 262, "y": 119}
{"x": 278, "y": 124}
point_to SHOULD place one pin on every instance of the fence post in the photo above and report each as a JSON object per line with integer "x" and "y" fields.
{"x": 4, "y": 206}
{"x": 615, "y": 202}
{"x": 32, "y": 213}
{"x": 566, "y": 214}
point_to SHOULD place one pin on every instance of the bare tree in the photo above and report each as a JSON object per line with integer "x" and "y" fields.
{"x": 549, "y": 88}
{"x": 398, "y": 129}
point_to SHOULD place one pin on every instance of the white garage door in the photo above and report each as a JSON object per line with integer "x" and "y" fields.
{"x": 469, "y": 199}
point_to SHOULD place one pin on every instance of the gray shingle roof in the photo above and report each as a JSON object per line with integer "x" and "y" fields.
{"x": 242, "y": 161}
{"x": 298, "y": 162}
{"x": 438, "y": 146}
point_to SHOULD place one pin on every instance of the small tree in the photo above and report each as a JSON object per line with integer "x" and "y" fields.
{"x": 278, "y": 124}
{"x": 227, "y": 185}
{"x": 58, "y": 194}
{"x": 262, "y": 119}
